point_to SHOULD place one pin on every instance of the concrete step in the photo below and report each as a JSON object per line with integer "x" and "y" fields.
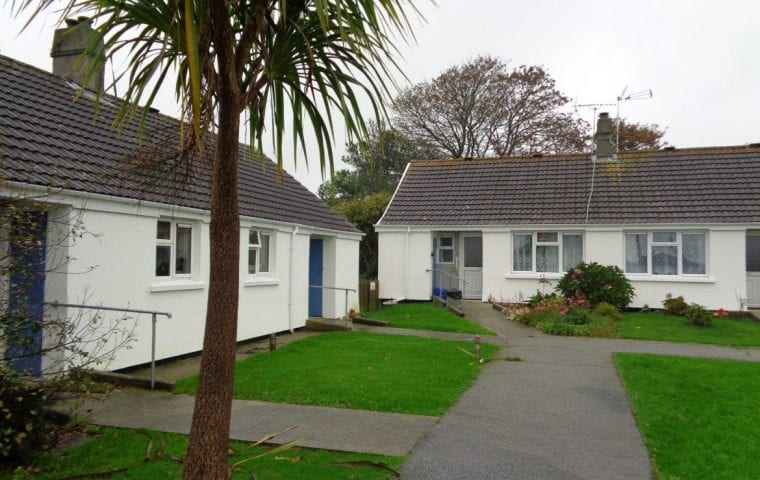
{"x": 318, "y": 324}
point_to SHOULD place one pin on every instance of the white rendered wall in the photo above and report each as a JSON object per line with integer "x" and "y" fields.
{"x": 723, "y": 286}
{"x": 404, "y": 264}
{"x": 343, "y": 272}
{"x": 114, "y": 265}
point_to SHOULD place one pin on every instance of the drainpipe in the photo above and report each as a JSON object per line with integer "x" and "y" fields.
{"x": 406, "y": 262}
{"x": 290, "y": 277}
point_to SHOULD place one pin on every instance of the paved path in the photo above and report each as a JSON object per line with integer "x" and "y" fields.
{"x": 317, "y": 427}
{"x": 559, "y": 413}
{"x": 549, "y": 408}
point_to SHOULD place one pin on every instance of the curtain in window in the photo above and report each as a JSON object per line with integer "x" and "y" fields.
{"x": 547, "y": 258}
{"x": 264, "y": 261}
{"x": 572, "y": 251}
{"x": 694, "y": 253}
{"x": 522, "y": 252}
{"x": 184, "y": 242}
{"x": 665, "y": 260}
{"x": 636, "y": 253}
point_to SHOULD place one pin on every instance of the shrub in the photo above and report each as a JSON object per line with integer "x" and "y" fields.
{"x": 698, "y": 315}
{"x": 597, "y": 283}
{"x": 535, "y": 318}
{"x": 539, "y": 297}
{"x": 577, "y": 316}
{"x": 607, "y": 310}
{"x": 675, "y": 305}
{"x": 565, "y": 329}
{"x": 25, "y": 428}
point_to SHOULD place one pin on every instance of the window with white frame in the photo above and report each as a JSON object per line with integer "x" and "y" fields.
{"x": 174, "y": 248}
{"x": 546, "y": 252}
{"x": 666, "y": 253}
{"x": 446, "y": 249}
{"x": 259, "y": 252}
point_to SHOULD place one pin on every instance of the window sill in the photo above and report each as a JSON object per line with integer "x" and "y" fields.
{"x": 669, "y": 279}
{"x": 175, "y": 285}
{"x": 261, "y": 281}
{"x": 534, "y": 276}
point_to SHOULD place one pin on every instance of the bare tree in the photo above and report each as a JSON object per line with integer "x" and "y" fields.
{"x": 481, "y": 108}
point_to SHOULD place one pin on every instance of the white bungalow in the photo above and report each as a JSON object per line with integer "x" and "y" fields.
{"x": 119, "y": 236}
{"x": 679, "y": 221}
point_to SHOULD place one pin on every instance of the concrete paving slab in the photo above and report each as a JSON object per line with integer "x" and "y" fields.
{"x": 317, "y": 427}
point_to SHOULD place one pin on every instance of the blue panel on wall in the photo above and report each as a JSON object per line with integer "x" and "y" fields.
{"x": 316, "y": 262}
{"x": 26, "y": 304}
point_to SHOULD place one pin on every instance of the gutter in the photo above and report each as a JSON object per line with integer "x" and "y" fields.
{"x": 293, "y": 234}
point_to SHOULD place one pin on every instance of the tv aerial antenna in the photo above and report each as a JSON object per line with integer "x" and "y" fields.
{"x": 595, "y": 107}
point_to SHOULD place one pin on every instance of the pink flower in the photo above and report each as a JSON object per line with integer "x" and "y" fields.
{"x": 721, "y": 312}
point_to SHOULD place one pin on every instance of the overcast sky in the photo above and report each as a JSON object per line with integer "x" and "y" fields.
{"x": 700, "y": 58}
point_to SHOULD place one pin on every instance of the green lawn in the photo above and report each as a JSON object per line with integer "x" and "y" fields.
{"x": 115, "y": 449}
{"x": 425, "y": 316}
{"x": 390, "y": 373}
{"x": 700, "y": 418}
{"x": 671, "y": 328}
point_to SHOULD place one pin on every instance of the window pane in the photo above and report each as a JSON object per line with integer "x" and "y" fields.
{"x": 665, "y": 237}
{"x": 636, "y": 253}
{"x": 447, "y": 241}
{"x": 546, "y": 237}
{"x": 753, "y": 252}
{"x": 473, "y": 252}
{"x": 164, "y": 230}
{"x": 253, "y": 237}
{"x": 693, "y": 255}
{"x": 572, "y": 251}
{"x": 252, "y": 253}
{"x": 264, "y": 252}
{"x": 184, "y": 244}
{"x": 445, "y": 256}
{"x": 665, "y": 260}
{"x": 163, "y": 258}
{"x": 522, "y": 252}
{"x": 547, "y": 258}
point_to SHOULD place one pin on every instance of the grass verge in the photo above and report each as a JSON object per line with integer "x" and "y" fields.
{"x": 699, "y": 417}
{"x": 135, "y": 454}
{"x": 671, "y": 328}
{"x": 389, "y": 373}
{"x": 425, "y": 316}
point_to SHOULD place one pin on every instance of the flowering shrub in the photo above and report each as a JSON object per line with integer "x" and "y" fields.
{"x": 597, "y": 283}
{"x": 721, "y": 312}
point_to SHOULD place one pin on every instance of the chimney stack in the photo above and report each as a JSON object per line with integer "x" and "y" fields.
{"x": 69, "y": 58}
{"x": 604, "y": 139}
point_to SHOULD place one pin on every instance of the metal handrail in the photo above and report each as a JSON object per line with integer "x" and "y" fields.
{"x": 456, "y": 277}
{"x": 153, "y": 313}
{"x": 345, "y": 294}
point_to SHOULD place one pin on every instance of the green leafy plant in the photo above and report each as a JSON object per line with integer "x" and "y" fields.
{"x": 675, "y": 305}
{"x": 565, "y": 329}
{"x": 607, "y": 310}
{"x": 25, "y": 422}
{"x": 597, "y": 283}
{"x": 577, "y": 316}
{"x": 539, "y": 297}
{"x": 698, "y": 315}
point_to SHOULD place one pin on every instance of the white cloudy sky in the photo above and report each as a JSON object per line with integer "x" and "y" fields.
{"x": 699, "y": 57}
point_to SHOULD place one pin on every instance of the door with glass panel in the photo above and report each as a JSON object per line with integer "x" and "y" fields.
{"x": 753, "y": 268}
{"x": 472, "y": 265}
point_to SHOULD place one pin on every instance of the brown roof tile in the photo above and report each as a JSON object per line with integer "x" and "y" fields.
{"x": 48, "y": 139}
{"x": 700, "y": 185}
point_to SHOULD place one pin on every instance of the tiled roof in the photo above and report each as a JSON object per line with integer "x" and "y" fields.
{"x": 48, "y": 139}
{"x": 701, "y": 185}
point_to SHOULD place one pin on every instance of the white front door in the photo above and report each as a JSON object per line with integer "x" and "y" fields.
{"x": 472, "y": 265}
{"x": 753, "y": 268}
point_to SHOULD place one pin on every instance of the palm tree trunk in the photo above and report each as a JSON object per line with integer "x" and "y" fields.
{"x": 209, "y": 434}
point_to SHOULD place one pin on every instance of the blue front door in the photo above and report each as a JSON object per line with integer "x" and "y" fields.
{"x": 315, "y": 277}
{"x": 26, "y": 304}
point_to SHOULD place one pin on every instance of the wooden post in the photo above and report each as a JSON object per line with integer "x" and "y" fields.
{"x": 476, "y": 340}
{"x": 272, "y": 342}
